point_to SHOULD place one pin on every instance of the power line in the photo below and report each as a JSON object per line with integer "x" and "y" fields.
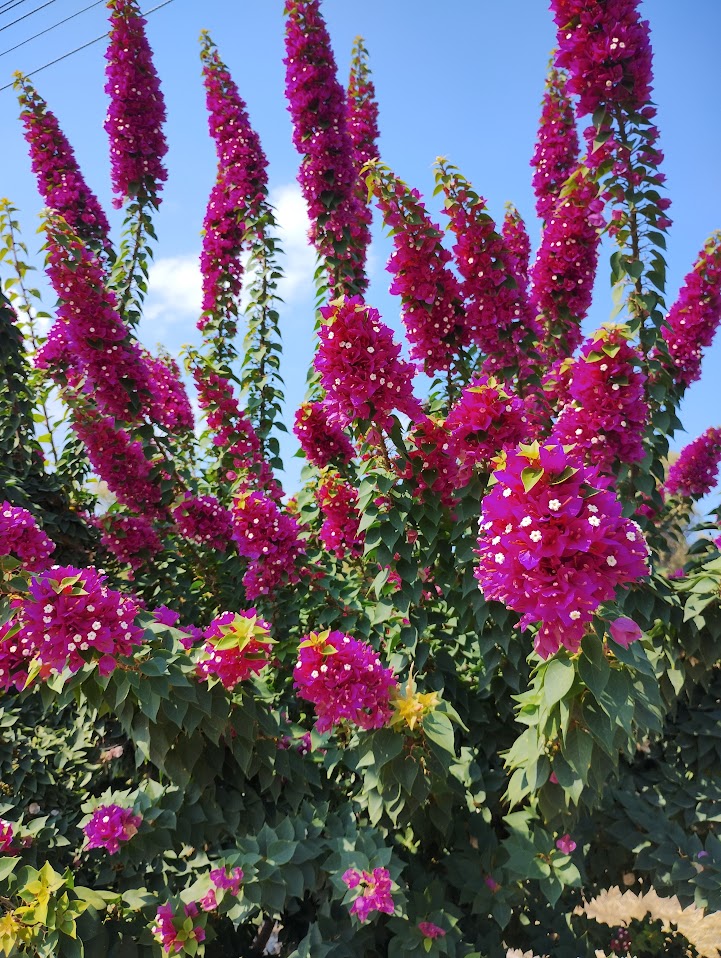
{"x": 84, "y": 46}
{"x": 26, "y": 15}
{"x": 10, "y": 5}
{"x": 48, "y": 29}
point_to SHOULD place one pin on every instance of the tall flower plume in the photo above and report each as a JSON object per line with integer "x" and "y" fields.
{"x": 360, "y": 366}
{"x": 241, "y": 187}
{"x": 518, "y": 244}
{"x": 328, "y": 173}
{"x": 338, "y": 503}
{"x": 270, "y": 538}
{"x": 607, "y": 414}
{"x": 553, "y": 544}
{"x": 695, "y": 472}
{"x": 362, "y": 122}
{"x": 21, "y": 538}
{"x": 60, "y": 181}
{"x": 136, "y": 113}
{"x": 556, "y": 152}
{"x": 430, "y": 293}
{"x": 563, "y": 274}
{"x": 694, "y": 318}
{"x": 322, "y": 441}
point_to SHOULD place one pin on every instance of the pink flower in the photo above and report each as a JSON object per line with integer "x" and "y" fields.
{"x": 518, "y": 245}
{"x": 432, "y": 462}
{"x": 68, "y": 618}
{"x": 606, "y": 413}
{"x": 169, "y": 403}
{"x": 227, "y": 882}
{"x": 237, "y": 646}
{"x": 695, "y": 472}
{"x": 429, "y": 930}
{"x": 492, "y": 884}
{"x": 345, "y": 680}
{"x": 566, "y": 844}
{"x": 360, "y": 366}
{"x": 60, "y": 182}
{"x": 556, "y": 152}
{"x": 6, "y": 835}
{"x": 203, "y": 520}
{"x": 209, "y": 902}
{"x": 338, "y": 503}
{"x": 168, "y": 925}
{"x": 136, "y": 112}
{"x": 322, "y": 440}
{"x": 270, "y": 538}
{"x": 109, "y": 826}
{"x": 554, "y": 545}
{"x": 624, "y": 631}
{"x": 131, "y": 539}
{"x": 375, "y": 893}
{"x": 22, "y": 539}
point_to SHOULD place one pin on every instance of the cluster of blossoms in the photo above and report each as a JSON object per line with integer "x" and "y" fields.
{"x": 345, "y": 680}
{"x": 607, "y": 413}
{"x": 328, "y": 174}
{"x": 694, "y": 318}
{"x": 22, "y": 539}
{"x": 431, "y": 461}
{"x": 234, "y": 433}
{"x": 169, "y": 403}
{"x": 110, "y": 367}
{"x": 131, "y": 539}
{"x": 110, "y": 825}
{"x": 565, "y": 268}
{"x": 375, "y": 891}
{"x": 556, "y": 152}
{"x": 485, "y": 420}
{"x": 68, "y": 618}
{"x": 695, "y": 472}
{"x": 518, "y": 244}
{"x": 338, "y": 502}
{"x": 240, "y": 190}
{"x": 170, "y": 931}
{"x": 60, "y": 182}
{"x": 119, "y": 461}
{"x": 6, "y": 835}
{"x": 362, "y": 125}
{"x": 190, "y": 633}
{"x": 605, "y": 47}
{"x": 204, "y": 520}
{"x": 237, "y": 646}
{"x": 429, "y": 291}
{"x": 359, "y": 366}
{"x": 269, "y": 537}
{"x": 134, "y": 122}
{"x": 322, "y": 440}
{"x": 222, "y": 882}
{"x": 498, "y": 316}
{"x": 553, "y": 544}
{"x": 429, "y": 930}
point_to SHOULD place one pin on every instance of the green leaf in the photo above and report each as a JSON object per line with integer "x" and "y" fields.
{"x": 557, "y": 680}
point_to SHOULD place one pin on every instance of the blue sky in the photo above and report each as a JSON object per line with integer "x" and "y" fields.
{"x": 463, "y": 80}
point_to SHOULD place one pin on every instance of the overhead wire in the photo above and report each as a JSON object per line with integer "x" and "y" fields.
{"x": 83, "y": 46}
{"x": 10, "y": 5}
{"x": 26, "y": 15}
{"x": 52, "y": 27}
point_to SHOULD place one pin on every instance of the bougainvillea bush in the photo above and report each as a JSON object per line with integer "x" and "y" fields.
{"x": 468, "y": 675}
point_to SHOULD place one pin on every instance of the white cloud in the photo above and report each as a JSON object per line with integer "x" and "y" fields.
{"x": 174, "y": 294}
{"x": 298, "y": 263}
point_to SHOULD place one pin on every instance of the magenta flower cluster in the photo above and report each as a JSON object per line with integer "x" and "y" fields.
{"x": 136, "y": 113}
{"x": 202, "y": 519}
{"x": 240, "y": 190}
{"x": 131, "y": 539}
{"x": 607, "y": 413}
{"x": 563, "y": 274}
{"x": 605, "y": 47}
{"x": 345, "y": 680}
{"x": 695, "y": 472}
{"x": 556, "y": 152}
{"x": 431, "y": 462}
{"x": 624, "y": 631}
{"x": 22, "y": 539}
{"x": 518, "y": 244}
{"x": 362, "y": 125}
{"x": 485, "y": 420}
{"x": 322, "y": 440}
{"x": 338, "y": 503}
{"x": 328, "y": 173}
{"x": 169, "y": 403}
{"x": 693, "y": 319}
{"x": 68, "y": 618}
{"x": 430, "y": 930}
{"x": 106, "y": 365}
{"x": 553, "y": 544}
{"x": 60, "y": 181}
{"x": 360, "y": 366}
{"x": 6, "y": 835}
{"x": 432, "y": 308}
{"x": 374, "y": 891}
{"x": 269, "y": 537}
{"x": 168, "y": 927}
{"x": 119, "y": 461}
{"x": 109, "y": 826}
{"x": 237, "y": 646}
